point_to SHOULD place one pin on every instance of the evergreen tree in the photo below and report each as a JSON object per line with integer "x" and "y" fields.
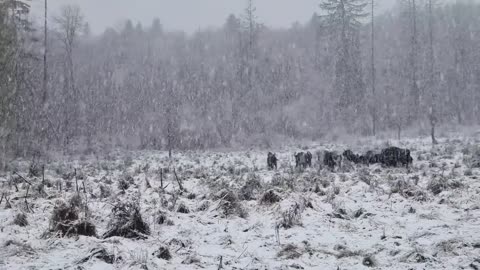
{"x": 343, "y": 20}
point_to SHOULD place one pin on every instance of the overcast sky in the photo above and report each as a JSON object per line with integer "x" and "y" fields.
{"x": 188, "y": 15}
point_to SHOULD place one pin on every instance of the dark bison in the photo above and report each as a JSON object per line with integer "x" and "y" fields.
{"x": 332, "y": 159}
{"x": 390, "y": 157}
{"x": 350, "y": 156}
{"x": 303, "y": 159}
{"x": 370, "y": 158}
{"x": 394, "y": 156}
{"x": 272, "y": 161}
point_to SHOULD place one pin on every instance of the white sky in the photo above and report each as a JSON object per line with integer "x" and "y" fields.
{"x": 188, "y": 15}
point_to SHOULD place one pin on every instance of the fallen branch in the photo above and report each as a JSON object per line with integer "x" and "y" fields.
{"x": 161, "y": 178}
{"x": 76, "y": 180}
{"x": 277, "y": 233}
{"x": 43, "y": 174}
{"x": 220, "y": 264}
{"x": 147, "y": 183}
{"x": 7, "y": 202}
{"x": 243, "y": 252}
{"x": 26, "y": 194}
{"x": 178, "y": 180}
{"x": 23, "y": 178}
{"x": 26, "y": 202}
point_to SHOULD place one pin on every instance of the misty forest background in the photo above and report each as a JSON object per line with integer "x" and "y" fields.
{"x": 145, "y": 87}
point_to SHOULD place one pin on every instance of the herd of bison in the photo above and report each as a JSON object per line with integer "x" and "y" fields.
{"x": 389, "y": 157}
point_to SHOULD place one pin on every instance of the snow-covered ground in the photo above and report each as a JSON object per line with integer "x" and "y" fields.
{"x": 347, "y": 219}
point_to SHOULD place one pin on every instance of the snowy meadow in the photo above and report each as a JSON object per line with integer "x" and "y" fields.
{"x": 227, "y": 210}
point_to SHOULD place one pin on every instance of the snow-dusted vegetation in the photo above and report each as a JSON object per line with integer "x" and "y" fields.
{"x": 213, "y": 209}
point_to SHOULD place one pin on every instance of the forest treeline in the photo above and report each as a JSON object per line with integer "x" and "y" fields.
{"x": 143, "y": 86}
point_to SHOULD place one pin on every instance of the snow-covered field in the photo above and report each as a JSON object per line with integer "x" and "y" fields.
{"x": 389, "y": 218}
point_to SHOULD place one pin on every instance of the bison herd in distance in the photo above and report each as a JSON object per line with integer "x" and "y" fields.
{"x": 388, "y": 157}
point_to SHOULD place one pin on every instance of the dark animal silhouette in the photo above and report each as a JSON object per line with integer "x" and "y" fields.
{"x": 369, "y": 158}
{"x": 303, "y": 159}
{"x": 389, "y": 157}
{"x": 308, "y": 157}
{"x": 272, "y": 161}
{"x": 350, "y": 156}
{"x": 394, "y": 156}
{"x": 332, "y": 159}
{"x": 377, "y": 158}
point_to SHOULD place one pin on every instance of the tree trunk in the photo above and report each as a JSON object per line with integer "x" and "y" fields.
{"x": 459, "y": 115}
{"x": 45, "y": 75}
{"x": 431, "y": 60}
{"x": 434, "y": 141}
{"x": 3, "y": 158}
{"x": 374, "y": 109}
{"x": 413, "y": 61}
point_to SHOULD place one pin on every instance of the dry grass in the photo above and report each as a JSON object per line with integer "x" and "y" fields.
{"x": 66, "y": 221}
{"x": 270, "y": 197}
{"x": 162, "y": 253}
{"x": 290, "y": 252}
{"x": 230, "y": 204}
{"x": 20, "y": 220}
{"x": 127, "y": 222}
{"x": 291, "y": 217}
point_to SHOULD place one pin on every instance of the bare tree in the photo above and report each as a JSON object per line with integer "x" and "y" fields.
{"x": 69, "y": 23}
{"x": 237, "y": 86}
{"x": 432, "y": 114}
{"x": 251, "y": 28}
{"x": 13, "y": 26}
{"x": 373, "y": 71}
{"x": 414, "y": 89}
{"x": 245, "y": 98}
{"x": 172, "y": 121}
{"x": 343, "y": 18}
{"x": 45, "y": 48}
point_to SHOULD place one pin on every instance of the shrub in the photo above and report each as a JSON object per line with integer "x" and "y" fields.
{"x": 472, "y": 157}
{"x": 230, "y": 204}
{"x": 290, "y": 252}
{"x": 270, "y": 197}
{"x": 127, "y": 222}
{"x": 105, "y": 191}
{"x": 439, "y": 184}
{"x": 20, "y": 220}
{"x": 128, "y": 161}
{"x": 291, "y": 217}
{"x": 369, "y": 261}
{"x": 76, "y": 200}
{"x": 406, "y": 190}
{"x": 161, "y": 218}
{"x": 101, "y": 254}
{"x": 63, "y": 217}
{"x": 84, "y": 228}
{"x": 35, "y": 170}
{"x": 125, "y": 182}
{"x": 191, "y": 259}
{"x": 204, "y": 206}
{"x": 182, "y": 208}
{"x": 163, "y": 253}
{"x": 65, "y": 220}
{"x": 365, "y": 177}
{"x": 251, "y": 187}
